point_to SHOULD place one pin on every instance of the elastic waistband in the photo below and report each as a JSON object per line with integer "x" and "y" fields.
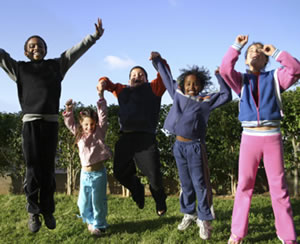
{"x": 94, "y": 167}
{"x": 271, "y": 132}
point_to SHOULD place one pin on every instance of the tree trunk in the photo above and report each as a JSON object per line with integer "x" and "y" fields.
{"x": 69, "y": 180}
{"x": 296, "y": 172}
{"x": 125, "y": 192}
{"x": 233, "y": 182}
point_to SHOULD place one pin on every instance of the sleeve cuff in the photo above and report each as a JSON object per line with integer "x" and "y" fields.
{"x": 276, "y": 53}
{"x": 237, "y": 46}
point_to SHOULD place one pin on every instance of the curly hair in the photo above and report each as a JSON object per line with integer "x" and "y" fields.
{"x": 202, "y": 74}
{"x": 85, "y": 113}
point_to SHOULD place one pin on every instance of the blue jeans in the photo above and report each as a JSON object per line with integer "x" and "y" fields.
{"x": 92, "y": 200}
{"x": 190, "y": 169}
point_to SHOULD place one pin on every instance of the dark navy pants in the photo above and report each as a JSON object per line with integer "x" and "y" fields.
{"x": 39, "y": 148}
{"x": 139, "y": 149}
{"x": 190, "y": 168}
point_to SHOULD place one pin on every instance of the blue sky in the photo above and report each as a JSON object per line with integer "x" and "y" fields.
{"x": 185, "y": 32}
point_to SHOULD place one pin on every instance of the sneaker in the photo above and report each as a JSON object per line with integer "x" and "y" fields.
{"x": 233, "y": 239}
{"x": 204, "y": 229}
{"x": 186, "y": 221}
{"x": 34, "y": 223}
{"x": 95, "y": 231}
{"x": 50, "y": 221}
{"x": 287, "y": 242}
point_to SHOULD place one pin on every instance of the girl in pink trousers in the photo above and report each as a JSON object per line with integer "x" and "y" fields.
{"x": 260, "y": 115}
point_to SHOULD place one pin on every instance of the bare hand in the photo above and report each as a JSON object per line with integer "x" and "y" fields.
{"x": 154, "y": 55}
{"x": 99, "y": 29}
{"x": 241, "y": 39}
{"x": 268, "y": 49}
{"x": 69, "y": 105}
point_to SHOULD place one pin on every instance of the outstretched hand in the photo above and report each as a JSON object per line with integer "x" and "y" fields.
{"x": 99, "y": 29}
{"x": 69, "y": 105}
{"x": 154, "y": 55}
{"x": 241, "y": 39}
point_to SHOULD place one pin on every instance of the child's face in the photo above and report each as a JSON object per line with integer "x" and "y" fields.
{"x": 35, "y": 49}
{"x": 88, "y": 125}
{"x": 137, "y": 77}
{"x": 192, "y": 86}
{"x": 256, "y": 59}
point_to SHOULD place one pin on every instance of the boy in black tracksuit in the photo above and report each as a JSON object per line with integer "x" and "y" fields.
{"x": 39, "y": 88}
{"x": 138, "y": 116}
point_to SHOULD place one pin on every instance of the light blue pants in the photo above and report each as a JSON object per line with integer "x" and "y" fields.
{"x": 92, "y": 200}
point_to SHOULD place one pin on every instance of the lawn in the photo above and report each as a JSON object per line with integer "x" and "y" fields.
{"x": 128, "y": 224}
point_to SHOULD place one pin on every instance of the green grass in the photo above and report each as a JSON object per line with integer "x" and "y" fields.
{"x": 128, "y": 224}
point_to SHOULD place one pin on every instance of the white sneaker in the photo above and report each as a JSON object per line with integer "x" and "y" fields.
{"x": 186, "y": 221}
{"x": 204, "y": 229}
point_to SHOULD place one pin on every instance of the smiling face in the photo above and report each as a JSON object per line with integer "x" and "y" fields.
{"x": 35, "y": 49}
{"x": 192, "y": 86}
{"x": 256, "y": 59}
{"x": 137, "y": 77}
{"x": 88, "y": 125}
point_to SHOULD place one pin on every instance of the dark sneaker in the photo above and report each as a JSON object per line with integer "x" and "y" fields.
{"x": 50, "y": 221}
{"x": 34, "y": 223}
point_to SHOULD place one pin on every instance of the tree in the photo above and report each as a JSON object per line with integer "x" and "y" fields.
{"x": 67, "y": 151}
{"x": 290, "y": 128}
{"x": 223, "y": 142}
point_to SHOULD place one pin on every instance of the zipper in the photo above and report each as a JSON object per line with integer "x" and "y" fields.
{"x": 258, "y": 99}
{"x": 178, "y": 118}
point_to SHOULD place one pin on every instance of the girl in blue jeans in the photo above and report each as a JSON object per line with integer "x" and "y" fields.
{"x": 89, "y": 136}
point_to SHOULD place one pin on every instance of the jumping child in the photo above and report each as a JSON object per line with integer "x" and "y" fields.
{"x": 187, "y": 119}
{"x": 260, "y": 115}
{"x": 39, "y": 88}
{"x": 139, "y": 106}
{"x": 90, "y": 138}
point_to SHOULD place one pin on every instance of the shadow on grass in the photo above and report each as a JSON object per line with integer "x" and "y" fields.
{"x": 140, "y": 226}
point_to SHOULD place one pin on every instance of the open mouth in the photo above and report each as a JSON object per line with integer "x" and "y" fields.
{"x": 137, "y": 81}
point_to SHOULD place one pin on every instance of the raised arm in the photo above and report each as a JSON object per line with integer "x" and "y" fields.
{"x": 227, "y": 71}
{"x": 164, "y": 72}
{"x": 8, "y": 64}
{"x": 114, "y": 88}
{"x": 69, "y": 116}
{"x": 102, "y": 106}
{"x": 70, "y": 56}
{"x": 289, "y": 73}
{"x": 223, "y": 96}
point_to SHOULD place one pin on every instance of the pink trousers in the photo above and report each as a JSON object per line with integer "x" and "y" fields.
{"x": 253, "y": 148}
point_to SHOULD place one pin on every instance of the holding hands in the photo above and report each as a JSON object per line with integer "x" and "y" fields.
{"x": 69, "y": 105}
{"x": 154, "y": 55}
{"x": 101, "y": 87}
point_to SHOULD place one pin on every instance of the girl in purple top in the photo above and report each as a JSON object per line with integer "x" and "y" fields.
{"x": 89, "y": 136}
{"x": 260, "y": 115}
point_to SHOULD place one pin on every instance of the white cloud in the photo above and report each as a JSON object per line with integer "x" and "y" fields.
{"x": 114, "y": 62}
